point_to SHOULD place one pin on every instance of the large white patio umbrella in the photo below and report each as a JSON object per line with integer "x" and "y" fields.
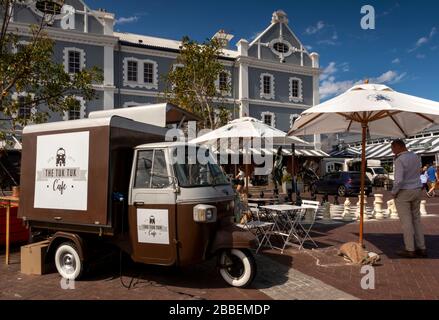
{"x": 372, "y": 107}
{"x": 248, "y": 128}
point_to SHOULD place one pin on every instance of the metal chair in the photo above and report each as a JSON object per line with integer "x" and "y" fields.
{"x": 306, "y": 225}
{"x": 261, "y": 229}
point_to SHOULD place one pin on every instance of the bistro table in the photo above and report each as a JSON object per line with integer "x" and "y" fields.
{"x": 285, "y": 224}
{"x": 263, "y": 201}
{"x": 10, "y": 202}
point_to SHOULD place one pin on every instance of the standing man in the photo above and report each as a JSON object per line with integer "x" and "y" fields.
{"x": 407, "y": 191}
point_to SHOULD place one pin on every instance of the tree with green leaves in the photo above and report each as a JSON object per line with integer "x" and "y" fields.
{"x": 27, "y": 66}
{"x": 199, "y": 83}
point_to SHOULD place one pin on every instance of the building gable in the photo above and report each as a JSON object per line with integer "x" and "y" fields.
{"x": 75, "y": 16}
{"x": 279, "y": 43}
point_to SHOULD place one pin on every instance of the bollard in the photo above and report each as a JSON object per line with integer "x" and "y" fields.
{"x": 423, "y": 208}
{"x": 347, "y": 210}
{"x": 378, "y": 207}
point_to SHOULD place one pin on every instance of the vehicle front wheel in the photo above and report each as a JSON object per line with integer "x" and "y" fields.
{"x": 67, "y": 261}
{"x": 341, "y": 191}
{"x": 237, "y": 267}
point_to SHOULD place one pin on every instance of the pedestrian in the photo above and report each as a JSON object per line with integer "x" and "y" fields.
{"x": 432, "y": 179}
{"x": 407, "y": 192}
{"x": 240, "y": 180}
{"x": 424, "y": 178}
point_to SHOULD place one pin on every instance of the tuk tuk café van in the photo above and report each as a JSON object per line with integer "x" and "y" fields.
{"x": 94, "y": 181}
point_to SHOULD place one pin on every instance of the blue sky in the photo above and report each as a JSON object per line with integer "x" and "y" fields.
{"x": 403, "y": 50}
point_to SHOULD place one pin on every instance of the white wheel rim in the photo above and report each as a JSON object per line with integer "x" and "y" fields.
{"x": 245, "y": 277}
{"x": 67, "y": 262}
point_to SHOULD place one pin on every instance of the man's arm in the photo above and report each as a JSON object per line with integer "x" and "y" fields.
{"x": 399, "y": 177}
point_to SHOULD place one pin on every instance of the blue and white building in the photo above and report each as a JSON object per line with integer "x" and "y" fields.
{"x": 273, "y": 77}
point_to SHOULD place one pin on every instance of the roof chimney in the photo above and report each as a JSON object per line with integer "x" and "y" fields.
{"x": 224, "y": 38}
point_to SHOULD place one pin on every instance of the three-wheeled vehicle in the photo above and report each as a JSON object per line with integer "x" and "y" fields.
{"x": 156, "y": 201}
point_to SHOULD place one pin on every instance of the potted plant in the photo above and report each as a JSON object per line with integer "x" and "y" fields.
{"x": 287, "y": 182}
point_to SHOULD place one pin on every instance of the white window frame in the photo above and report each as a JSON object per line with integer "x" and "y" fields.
{"x": 293, "y": 116}
{"x": 263, "y": 95}
{"x": 281, "y": 55}
{"x": 66, "y": 58}
{"x": 300, "y": 88}
{"x": 228, "y": 92}
{"x": 273, "y": 117}
{"x": 15, "y": 97}
{"x": 81, "y": 110}
{"x": 22, "y": 42}
{"x": 140, "y": 76}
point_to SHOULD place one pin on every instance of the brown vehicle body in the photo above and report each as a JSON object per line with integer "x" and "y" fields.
{"x": 113, "y": 144}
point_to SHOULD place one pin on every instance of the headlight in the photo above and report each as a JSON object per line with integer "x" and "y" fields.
{"x": 204, "y": 213}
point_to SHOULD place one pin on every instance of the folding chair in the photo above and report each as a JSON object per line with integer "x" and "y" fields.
{"x": 306, "y": 225}
{"x": 293, "y": 220}
{"x": 261, "y": 229}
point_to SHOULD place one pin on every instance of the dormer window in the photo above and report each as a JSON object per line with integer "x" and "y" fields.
{"x": 51, "y": 7}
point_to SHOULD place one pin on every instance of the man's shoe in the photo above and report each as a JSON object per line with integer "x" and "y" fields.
{"x": 421, "y": 253}
{"x": 406, "y": 254}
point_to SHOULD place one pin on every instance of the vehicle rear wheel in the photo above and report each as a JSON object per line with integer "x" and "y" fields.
{"x": 341, "y": 191}
{"x": 237, "y": 267}
{"x": 67, "y": 261}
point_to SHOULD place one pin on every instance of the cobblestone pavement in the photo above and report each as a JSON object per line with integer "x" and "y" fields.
{"x": 297, "y": 285}
{"x": 396, "y": 278}
{"x": 274, "y": 281}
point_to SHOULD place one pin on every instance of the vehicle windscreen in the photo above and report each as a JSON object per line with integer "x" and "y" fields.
{"x": 195, "y": 167}
{"x": 379, "y": 171}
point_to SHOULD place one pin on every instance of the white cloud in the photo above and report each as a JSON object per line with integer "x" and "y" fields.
{"x": 330, "y": 87}
{"x": 314, "y": 29}
{"x": 126, "y": 20}
{"x": 396, "y": 61}
{"x": 420, "y": 56}
{"x": 424, "y": 40}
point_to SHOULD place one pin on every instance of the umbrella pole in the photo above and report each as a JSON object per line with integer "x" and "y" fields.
{"x": 363, "y": 180}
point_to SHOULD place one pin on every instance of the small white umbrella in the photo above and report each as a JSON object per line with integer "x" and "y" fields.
{"x": 248, "y": 128}
{"x": 372, "y": 107}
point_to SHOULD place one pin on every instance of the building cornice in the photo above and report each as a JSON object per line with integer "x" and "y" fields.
{"x": 23, "y": 29}
{"x": 280, "y": 67}
{"x": 278, "y": 104}
{"x": 156, "y": 52}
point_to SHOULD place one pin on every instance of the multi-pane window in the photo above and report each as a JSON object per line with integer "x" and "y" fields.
{"x": 148, "y": 72}
{"x": 132, "y": 71}
{"x": 74, "y": 61}
{"x": 24, "y": 110}
{"x": 267, "y": 85}
{"x": 223, "y": 81}
{"x": 268, "y": 119}
{"x": 281, "y": 47}
{"x": 74, "y": 112}
{"x": 295, "y": 88}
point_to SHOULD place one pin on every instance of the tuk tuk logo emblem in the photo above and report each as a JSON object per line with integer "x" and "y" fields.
{"x": 152, "y": 228}
{"x": 61, "y": 175}
{"x": 61, "y": 157}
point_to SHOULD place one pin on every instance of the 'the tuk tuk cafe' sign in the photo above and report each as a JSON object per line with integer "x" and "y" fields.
{"x": 61, "y": 179}
{"x": 152, "y": 226}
